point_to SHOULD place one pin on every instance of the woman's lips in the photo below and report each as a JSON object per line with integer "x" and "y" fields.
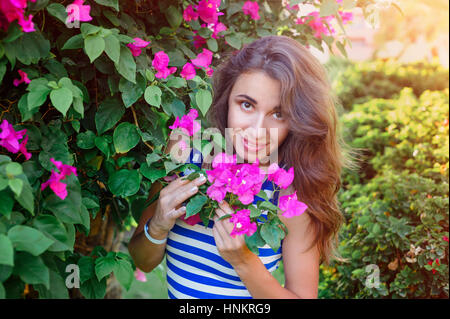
{"x": 252, "y": 147}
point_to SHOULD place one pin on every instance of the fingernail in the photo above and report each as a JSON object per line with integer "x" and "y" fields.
{"x": 194, "y": 189}
{"x": 201, "y": 178}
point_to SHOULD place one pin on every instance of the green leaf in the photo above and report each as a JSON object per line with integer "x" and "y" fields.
{"x": 112, "y": 48}
{"x": 94, "y": 46}
{"x": 126, "y": 66}
{"x": 104, "y": 266}
{"x": 58, "y": 11}
{"x": 88, "y": 29}
{"x": 131, "y": 92}
{"x": 212, "y": 44}
{"x": 109, "y": 112}
{"x": 152, "y": 173}
{"x": 254, "y": 241}
{"x": 195, "y": 204}
{"x": 152, "y": 95}
{"x": 86, "y": 140}
{"x": 124, "y": 182}
{"x": 87, "y": 268}
{"x": 6, "y": 251}
{"x": 14, "y": 168}
{"x": 234, "y": 40}
{"x": 204, "y": 99}
{"x": 57, "y": 288}
{"x": 25, "y": 238}
{"x": 272, "y": 235}
{"x": 67, "y": 210}
{"x": 31, "y": 269}
{"x": 109, "y": 3}
{"x": 174, "y": 17}
{"x": 93, "y": 288}
{"x": 102, "y": 144}
{"x": 124, "y": 273}
{"x": 16, "y": 186}
{"x": 50, "y": 226}
{"x": 37, "y": 96}
{"x": 125, "y": 137}
{"x": 61, "y": 99}
{"x": 75, "y": 42}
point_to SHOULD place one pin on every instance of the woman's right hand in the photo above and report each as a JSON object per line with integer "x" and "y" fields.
{"x": 168, "y": 206}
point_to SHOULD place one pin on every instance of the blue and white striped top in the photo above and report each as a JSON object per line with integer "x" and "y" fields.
{"x": 195, "y": 268}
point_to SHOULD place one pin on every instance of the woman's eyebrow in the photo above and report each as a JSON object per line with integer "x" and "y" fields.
{"x": 248, "y": 97}
{"x": 254, "y": 101}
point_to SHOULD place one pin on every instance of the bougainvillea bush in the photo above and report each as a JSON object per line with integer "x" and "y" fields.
{"x": 87, "y": 91}
{"x": 396, "y": 206}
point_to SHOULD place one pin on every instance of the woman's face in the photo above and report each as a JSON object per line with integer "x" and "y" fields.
{"x": 254, "y": 116}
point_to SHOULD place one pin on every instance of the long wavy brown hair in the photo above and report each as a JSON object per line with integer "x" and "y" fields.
{"x": 314, "y": 146}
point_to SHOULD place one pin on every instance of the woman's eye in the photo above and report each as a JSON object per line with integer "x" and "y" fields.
{"x": 247, "y": 108}
{"x": 279, "y": 116}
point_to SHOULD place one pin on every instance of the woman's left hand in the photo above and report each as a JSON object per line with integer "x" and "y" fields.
{"x": 233, "y": 249}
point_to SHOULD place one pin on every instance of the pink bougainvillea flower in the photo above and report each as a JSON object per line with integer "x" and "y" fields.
{"x": 137, "y": 45}
{"x": 187, "y": 123}
{"x": 290, "y": 206}
{"x": 203, "y": 59}
{"x": 280, "y": 176}
{"x": 160, "y": 63}
{"x": 192, "y": 220}
{"x": 242, "y": 223}
{"x": 317, "y": 23}
{"x": 58, "y": 187}
{"x": 346, "y": 16}
{"x": 251, "y": 8}
{"x": 188, "y": 71}
{"x": 23, "y": 78}
{"x": 189, "y": 13}
{"x": 26, "y": 24}
{"x": 14, "y": 10}
{"x": 77, "y": 11}
{"x": 199, "y": 41}
{"x": 216, "y": 28}
{"x": 140, "y": 275}
{"x": 244, "y": 180}
{"x": 9, "y": 139}
{"x": 207, "y": 10}
{"x": 445, "y": 238}
{"x": 64, "y": 169}
{"x": 209, "y": 71}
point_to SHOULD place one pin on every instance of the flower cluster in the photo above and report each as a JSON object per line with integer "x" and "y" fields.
{"x": 187, "y": 123}
{"x": 55, "y": 178}
{"x": 137, "y": 46}
{"x": 251, "y": 8}
{"x": 160, "y": 63}
{"x": 243, "y": 180}
{"x": 9, "y": 139}
{"x": 77, "y": 11}
{"x": 13, "y": 10}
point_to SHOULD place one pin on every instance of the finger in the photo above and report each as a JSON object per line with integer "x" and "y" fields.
{"x": 184, "y": 192}
{"x": 218, "y": 236}
{"x": 175, "y": 213}
{"x": 226, "y": 207}
{"x": 220, "y": 212}
{"x": 176, "y": 184}
{"x": 223, "y": 230}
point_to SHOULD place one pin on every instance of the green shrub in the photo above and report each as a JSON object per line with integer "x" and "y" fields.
{"x": 396, "y": 206}
{"x": 359, "y": 82}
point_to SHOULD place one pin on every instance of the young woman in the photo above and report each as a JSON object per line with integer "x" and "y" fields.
{"x": 275, "y": 97}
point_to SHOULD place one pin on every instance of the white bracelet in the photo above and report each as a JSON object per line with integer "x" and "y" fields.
{"x": 153, "y": 240}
